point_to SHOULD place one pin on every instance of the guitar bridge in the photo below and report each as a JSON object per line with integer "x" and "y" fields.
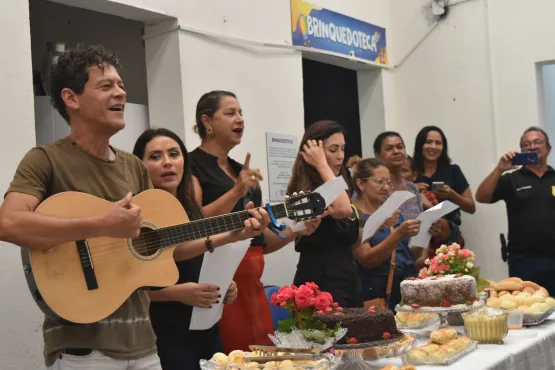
{"x": 87, "y": 264}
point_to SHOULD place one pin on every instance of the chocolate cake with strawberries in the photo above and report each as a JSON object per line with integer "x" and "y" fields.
{"x": 363, "y": 325}
{"x": 439, "y": 291}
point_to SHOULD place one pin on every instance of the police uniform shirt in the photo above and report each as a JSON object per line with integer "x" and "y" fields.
{"x": 530, "y": 202}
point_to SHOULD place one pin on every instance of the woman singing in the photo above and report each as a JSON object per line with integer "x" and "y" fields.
{"x": 326, "y": 256}
{"x": 169, "y": 167}
{"x": 223, "y": 185}
{"x": 373, "y": 183}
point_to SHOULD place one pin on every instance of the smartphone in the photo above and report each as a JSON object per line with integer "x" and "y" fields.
{"x": 525, "y": 159}
{"x": 437, "y": 184}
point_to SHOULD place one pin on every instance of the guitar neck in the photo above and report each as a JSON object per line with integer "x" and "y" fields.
{"x": 200, "y": 229}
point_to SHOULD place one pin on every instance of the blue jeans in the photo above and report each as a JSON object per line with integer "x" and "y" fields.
{"x": 540, "y": 270}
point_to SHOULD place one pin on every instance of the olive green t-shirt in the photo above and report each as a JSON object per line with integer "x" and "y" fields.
{"x": 65, "y": 166}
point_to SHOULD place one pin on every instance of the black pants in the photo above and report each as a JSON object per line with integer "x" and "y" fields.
{"x": 183, "y": 351}
{"x": 540, "y": 270}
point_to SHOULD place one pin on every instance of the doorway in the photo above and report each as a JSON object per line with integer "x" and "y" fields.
{"x": 331, "y": 92}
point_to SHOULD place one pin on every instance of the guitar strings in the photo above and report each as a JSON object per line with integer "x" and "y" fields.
{"x": 152, "y": 240}
{"x": 154, "y": 245}
{"x": 232, "y": 219}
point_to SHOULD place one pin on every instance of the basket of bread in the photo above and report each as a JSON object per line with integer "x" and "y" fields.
{"x": 515, "y": 294}
{"x": 445, "y": 347}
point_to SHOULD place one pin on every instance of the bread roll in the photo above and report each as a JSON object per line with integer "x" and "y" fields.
{"x": 508, "y": 285}
{"x": 417, "y": 355}
{"x": 530, "y": 284}
{"x": 529, "y": 290}
{"x": 443, "y": 336}
{"x": 502, "y": 293}
{"x": 494, "y": 302}
{"x": 508, "y": 305}
{"x": 516, "y": 292}
{"x": 518, "y": 280}
{"x": 429, "y": 348}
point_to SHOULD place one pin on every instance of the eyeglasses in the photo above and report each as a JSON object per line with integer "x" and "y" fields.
{"x": 381, "y": 182}
{"x": 528, "y": 144}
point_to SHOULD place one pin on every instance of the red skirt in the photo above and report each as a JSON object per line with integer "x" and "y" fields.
{"x": 248, "y": 319}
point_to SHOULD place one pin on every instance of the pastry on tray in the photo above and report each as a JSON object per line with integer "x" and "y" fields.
{"x": 241, "y": 358}
{"x": 442, "y": 336}
{"x": 413, "y": 319}
{"x": 444, "y": 345}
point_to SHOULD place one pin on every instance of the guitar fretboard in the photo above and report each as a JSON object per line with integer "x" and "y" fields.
{"x": 200, "y": 229}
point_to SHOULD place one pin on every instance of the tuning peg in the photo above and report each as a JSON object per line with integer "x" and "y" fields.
{"x": 301, "y": 192}
{"x": 295, "y": 194}
{"x": 286, "y": 197}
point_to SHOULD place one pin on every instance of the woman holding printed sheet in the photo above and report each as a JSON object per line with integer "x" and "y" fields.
{"x": 389, "y": 147}
{"x": 169, "y": 168}
{"x": 385, "y": 259}
{"x": 326, "y": 256}
{"x": 222, "y": 185}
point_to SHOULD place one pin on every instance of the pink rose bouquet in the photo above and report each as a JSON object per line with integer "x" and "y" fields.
{"x": 450, "y": 260}
{"x": 302, "y": 303}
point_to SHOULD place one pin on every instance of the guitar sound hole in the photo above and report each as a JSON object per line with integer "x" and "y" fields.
{"x": 147, "y": 243}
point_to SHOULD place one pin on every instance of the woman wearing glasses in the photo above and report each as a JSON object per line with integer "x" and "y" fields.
{"x": 373, "y": 184}
{"x": 389, "y": 148}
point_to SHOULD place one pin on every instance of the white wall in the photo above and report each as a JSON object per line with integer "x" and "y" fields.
{"x": 446, "y": 82}
{"x": 21, "y": 339}
{"x": 547, "y": 112}
{"x": 474, "y": 76}
{"x": 55, "y": 22}
{"x": 50, "y": 126}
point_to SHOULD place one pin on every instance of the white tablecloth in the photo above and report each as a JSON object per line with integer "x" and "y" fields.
{"x": 519, "y": 352}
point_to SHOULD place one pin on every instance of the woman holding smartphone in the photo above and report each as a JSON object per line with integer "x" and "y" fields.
{"x": 444, "y": 179}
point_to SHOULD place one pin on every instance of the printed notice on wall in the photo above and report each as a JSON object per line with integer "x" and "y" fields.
{"x": 282, "y": 151}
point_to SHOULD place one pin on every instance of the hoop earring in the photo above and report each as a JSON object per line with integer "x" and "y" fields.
{"x": 210, "y": 132}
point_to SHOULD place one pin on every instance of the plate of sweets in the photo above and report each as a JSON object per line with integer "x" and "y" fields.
{"x": 445, "y": 348}
{"x": 271, "y": 358}
{"x": 416, "y": 320}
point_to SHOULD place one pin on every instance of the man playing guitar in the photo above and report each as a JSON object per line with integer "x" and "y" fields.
{"x": 88, "y": 92}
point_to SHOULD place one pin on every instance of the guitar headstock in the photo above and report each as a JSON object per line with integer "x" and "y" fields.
{"x": 304, "y": 206}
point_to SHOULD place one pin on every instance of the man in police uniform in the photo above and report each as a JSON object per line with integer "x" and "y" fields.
{"x": 529, "y": 194}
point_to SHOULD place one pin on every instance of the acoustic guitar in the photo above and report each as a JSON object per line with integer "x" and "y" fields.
{"x": 85, "y": 281}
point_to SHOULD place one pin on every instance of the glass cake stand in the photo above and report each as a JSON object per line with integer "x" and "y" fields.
{"x": 442, "y": 312}
{"x": 361, "y": 356}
